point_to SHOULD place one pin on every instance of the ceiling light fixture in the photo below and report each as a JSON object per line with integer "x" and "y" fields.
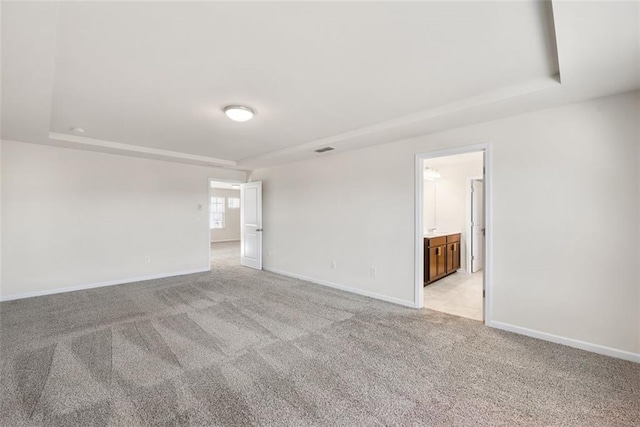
{"x": 431, "y": 174}
{"x": 76, "y": 130}
{"x": 238, "y": 113}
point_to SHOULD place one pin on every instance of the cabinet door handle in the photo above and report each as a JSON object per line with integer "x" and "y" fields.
{"x": 438, "y": 251}
{"x": 453, "y": 247}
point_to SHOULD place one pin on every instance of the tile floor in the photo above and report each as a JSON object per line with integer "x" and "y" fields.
{"x": 459, "y": 294}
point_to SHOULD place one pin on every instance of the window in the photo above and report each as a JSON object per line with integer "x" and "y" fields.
{"x": 233, "y": 203}
{"x": 217, "y": 212}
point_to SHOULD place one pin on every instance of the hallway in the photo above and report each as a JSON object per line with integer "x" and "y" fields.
{"x": 225, "y": 254}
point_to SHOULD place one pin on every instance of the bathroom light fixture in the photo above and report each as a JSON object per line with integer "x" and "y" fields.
{"x": 238, "y": 113}
{"x": 76, "y": 130}
{"x": 431, "y": 174}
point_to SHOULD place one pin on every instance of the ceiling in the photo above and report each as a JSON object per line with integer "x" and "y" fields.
{"x": 151, "y": 78}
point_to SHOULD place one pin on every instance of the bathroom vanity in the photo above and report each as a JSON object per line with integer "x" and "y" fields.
{"x": 441, "y": 255}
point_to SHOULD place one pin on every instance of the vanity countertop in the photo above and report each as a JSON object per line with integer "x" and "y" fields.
{"x": 440, "y": 234}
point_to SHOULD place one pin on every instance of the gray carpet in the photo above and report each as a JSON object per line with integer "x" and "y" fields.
{"x": 241, "y": 347}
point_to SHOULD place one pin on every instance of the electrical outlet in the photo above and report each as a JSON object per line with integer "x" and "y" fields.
{"x": 373, "y": 271}
{"x": 334, "y": 265}
{"x": 147, "y": 259}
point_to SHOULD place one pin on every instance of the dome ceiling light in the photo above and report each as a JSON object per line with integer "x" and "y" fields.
{"x": 238, "y": 113}
{"x": 431, "y": 174}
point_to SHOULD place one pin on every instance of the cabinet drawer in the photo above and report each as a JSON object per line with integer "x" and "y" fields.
{"x": 437, "y": 241}
{"x": 453, "y": 238}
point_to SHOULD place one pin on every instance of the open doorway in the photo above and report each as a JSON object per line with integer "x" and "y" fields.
{"x": 224, "y": 223}
{"x": 451, "y": 242}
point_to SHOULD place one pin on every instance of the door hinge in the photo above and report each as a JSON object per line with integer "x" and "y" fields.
{"x": 484, "y": 293}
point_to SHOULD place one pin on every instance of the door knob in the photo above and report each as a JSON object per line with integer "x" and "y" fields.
{"x": 258, "y": 229}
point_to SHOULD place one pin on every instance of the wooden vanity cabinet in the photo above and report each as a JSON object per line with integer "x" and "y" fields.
{"x": 453, "y": 253}
{"x": 441, "y": 257}
{"x": 435, "y": 258}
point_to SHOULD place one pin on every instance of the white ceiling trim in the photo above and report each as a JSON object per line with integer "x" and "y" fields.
{"x": 131, "y": 149}
{"x": 592, "y": 60}
{"x": 412, "y": 119}
{"x": 343, "y": 138}
{"x": 551, "y": 15}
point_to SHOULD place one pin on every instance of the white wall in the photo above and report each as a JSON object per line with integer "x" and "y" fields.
{"x": 231, "y": 230}
{"x": 445, "y": 199}
{"x": 429, "y": 205}
{"x": 1, "y": 149}
{"x": 565, "y": 218}
{"x": 73, "y": 218}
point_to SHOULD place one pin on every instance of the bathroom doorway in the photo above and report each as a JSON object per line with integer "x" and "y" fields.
{"x": 452, "y": 217}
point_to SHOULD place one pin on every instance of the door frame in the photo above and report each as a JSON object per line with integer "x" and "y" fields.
{"x": 468, "y": 249}
{"x": 488, "y": 222}
{"x": 208, "y": 205}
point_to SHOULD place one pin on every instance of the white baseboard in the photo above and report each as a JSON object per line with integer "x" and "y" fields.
{"x": 343, "y": 288}
{"x": 100, "y": 284}
{"x": 223, "y": 241}
{"x": 570, "y": 342}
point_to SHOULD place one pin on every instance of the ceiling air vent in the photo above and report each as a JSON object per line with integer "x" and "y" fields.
{"x": 325, "y": 149}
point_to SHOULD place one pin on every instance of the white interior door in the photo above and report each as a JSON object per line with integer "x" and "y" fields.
{"x": 477, "y": 225}
{"x": 251, "y": 224}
